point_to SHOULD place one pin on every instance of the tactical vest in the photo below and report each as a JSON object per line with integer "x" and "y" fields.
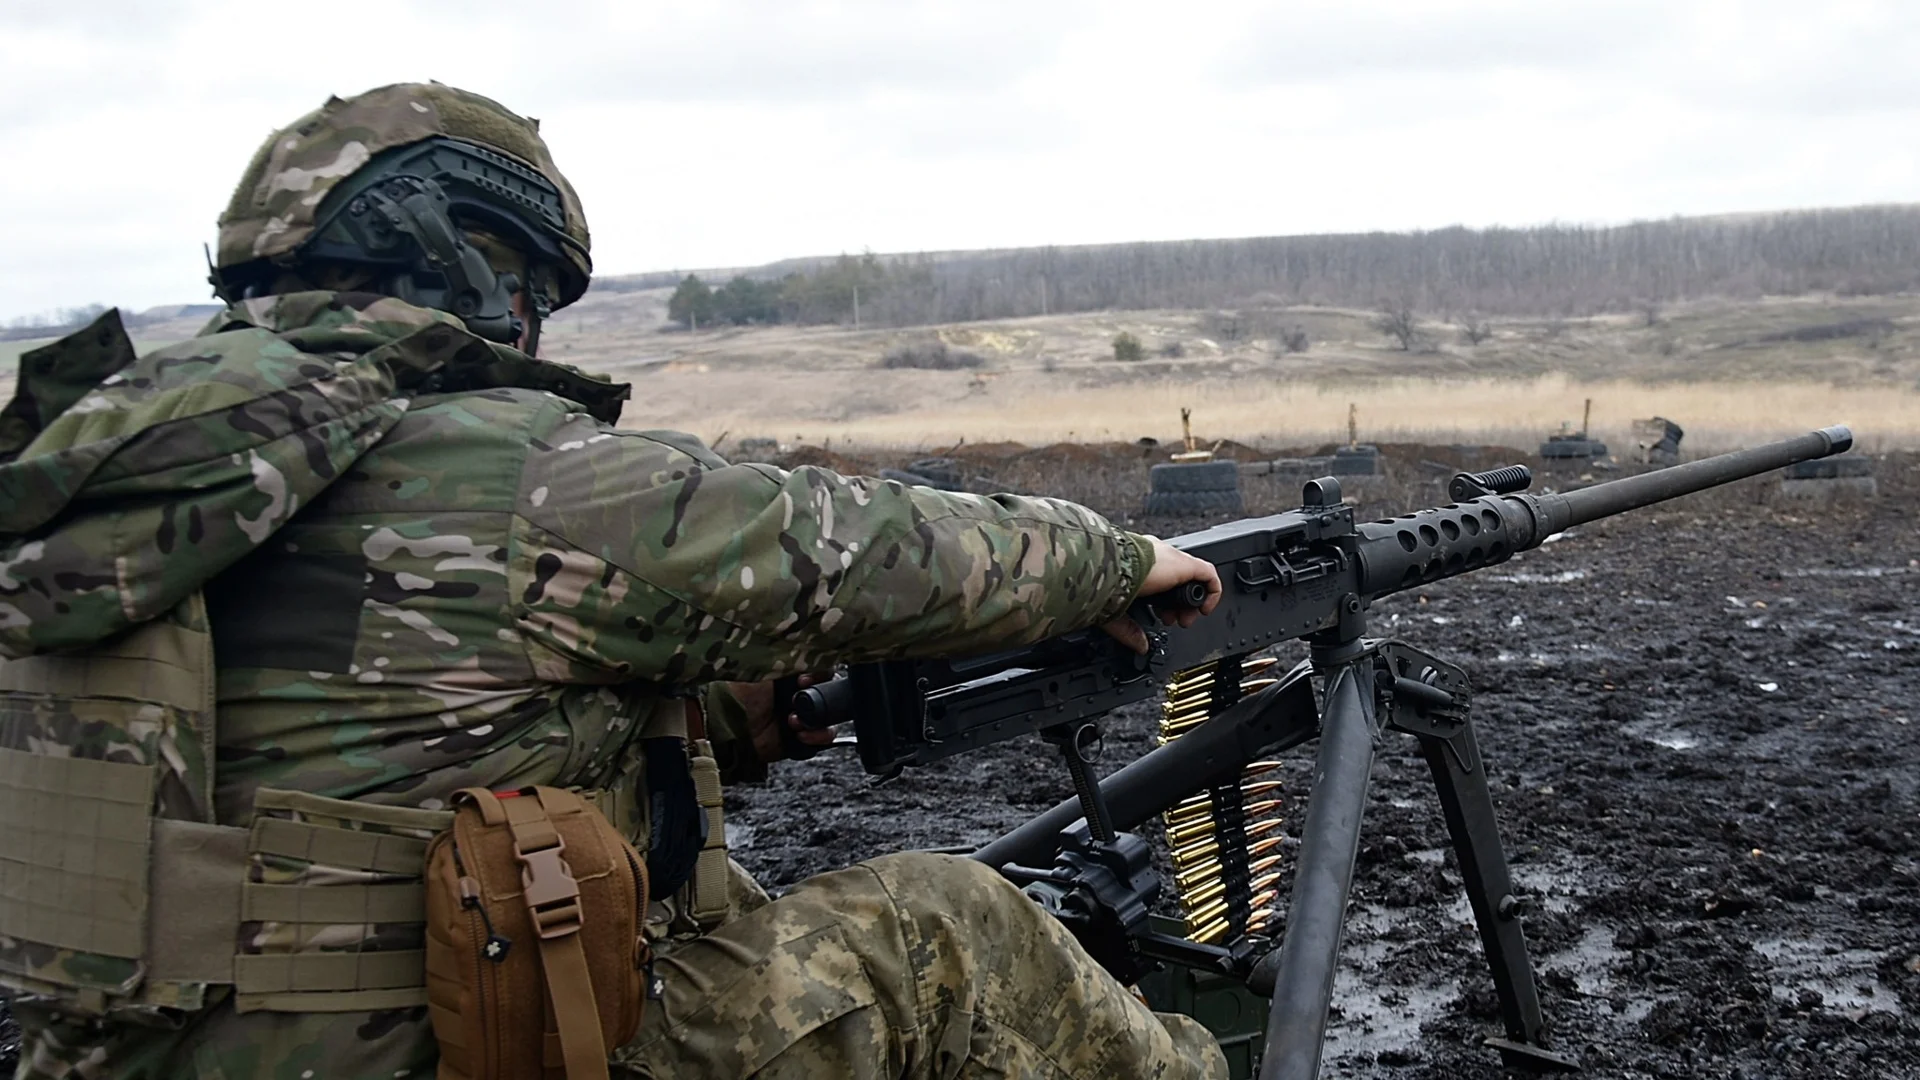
{"x": 119, "y": 892}
{"x": 107, "y": 902}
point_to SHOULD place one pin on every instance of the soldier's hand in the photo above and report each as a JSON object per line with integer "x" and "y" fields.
{"x": 764, "y": 727}
{"x": 1172, "y": 568}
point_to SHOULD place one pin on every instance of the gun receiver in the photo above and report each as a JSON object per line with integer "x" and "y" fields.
{"x": 1312, "y": 574}
{"x": 1299, "y": 574}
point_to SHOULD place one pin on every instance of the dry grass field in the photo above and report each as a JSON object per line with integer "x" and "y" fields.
{"x": 1730, "y": 373}
{"x": 1717, "y": 415}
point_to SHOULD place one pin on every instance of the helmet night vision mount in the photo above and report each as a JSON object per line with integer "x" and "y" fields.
{"x": 402, "y": 215}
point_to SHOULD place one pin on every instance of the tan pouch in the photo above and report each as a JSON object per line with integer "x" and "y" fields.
{"x": 536, "y": 963}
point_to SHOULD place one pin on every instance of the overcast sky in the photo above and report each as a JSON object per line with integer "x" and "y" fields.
{"x": 732, "y": 132}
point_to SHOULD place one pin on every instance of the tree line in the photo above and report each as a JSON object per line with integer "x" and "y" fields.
{"x": 51, "y": 323}
{"x": 1548, "y": 270}
{"x": 830, "y": 293}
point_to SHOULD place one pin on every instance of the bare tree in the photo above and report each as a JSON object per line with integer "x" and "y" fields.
{"x": 1397, "y": 321}
{"x": 1228, "y": 326}
{"x": 1474, "y": 329}
{"x": 1640, "y": 270}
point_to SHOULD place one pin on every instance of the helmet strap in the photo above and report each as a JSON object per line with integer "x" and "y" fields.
{"x": 540, "y": 279}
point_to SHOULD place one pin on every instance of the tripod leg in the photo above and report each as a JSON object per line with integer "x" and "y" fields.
{"x": 1468, "y": 806}
{"x": 1329, "y": 843}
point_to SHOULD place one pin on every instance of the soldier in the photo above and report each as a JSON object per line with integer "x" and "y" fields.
{"x": 398, "y": 555}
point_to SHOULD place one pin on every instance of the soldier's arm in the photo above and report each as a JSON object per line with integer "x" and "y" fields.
{"x": 647, "y": 556}
{"x": 730, "y": 730}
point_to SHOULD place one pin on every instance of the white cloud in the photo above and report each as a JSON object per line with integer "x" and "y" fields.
{"x": 741, "y": 131}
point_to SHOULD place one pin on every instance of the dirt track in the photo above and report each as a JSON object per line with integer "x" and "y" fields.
{"x": 1703, "y": 726}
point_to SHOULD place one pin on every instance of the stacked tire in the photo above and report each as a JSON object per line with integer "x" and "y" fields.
{"x": 1577, "y": 448}
{"x": 941, "y": 473}
{"x": 1356, "y": 461}
{"x": 1830, "y": 478}
{"x": 1194, "y": 489}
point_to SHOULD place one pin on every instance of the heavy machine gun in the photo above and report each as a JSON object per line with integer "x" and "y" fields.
{"x": 1309, "y": 574}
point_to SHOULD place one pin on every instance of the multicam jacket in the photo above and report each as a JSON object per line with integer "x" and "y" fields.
{"x": 432, "y": 562}
{"x": 428, "y": 562}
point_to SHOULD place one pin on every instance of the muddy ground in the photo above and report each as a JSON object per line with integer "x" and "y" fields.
{"x": 1703, "y": 726}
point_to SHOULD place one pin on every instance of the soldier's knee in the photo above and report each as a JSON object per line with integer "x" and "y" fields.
{"x": 923, "y": 884}
{"x": 943, "y": 881}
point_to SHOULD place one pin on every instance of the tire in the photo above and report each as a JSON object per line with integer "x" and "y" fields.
{"x": 1832, "y": 468}
{"x": 938, "y": 470}
{"x": 1828, "y": 489}
{"x": 1195, "y": 476}
{"x": 1360, "y": 461}
{"x": 755, "y": 449}
{"x": 1574, "y": 449}
{"x": 1193, "y": 503}
{"x": 916, "y": 480}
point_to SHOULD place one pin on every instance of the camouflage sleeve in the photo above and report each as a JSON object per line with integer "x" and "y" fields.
{"x": 727, "y": 730}
{"x": 650, "y": 557}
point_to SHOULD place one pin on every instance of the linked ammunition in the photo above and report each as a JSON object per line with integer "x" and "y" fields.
{"x": 1184, "y": 857}
{"x": 1188, "y": 831}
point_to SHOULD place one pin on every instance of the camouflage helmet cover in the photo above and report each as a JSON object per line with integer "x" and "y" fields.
{"x": 274, "y": 206}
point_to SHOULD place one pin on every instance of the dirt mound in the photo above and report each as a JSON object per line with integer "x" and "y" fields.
{"x": 1086, "y": 454}
{"x": 1135, "y": 455}
{"x": 826, "y": 459}
{"x": 993, "y": 451}
{"x": 1228, "y": 450}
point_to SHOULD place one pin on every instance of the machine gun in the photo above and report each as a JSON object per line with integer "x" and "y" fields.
{"x": 1308, "y": 574}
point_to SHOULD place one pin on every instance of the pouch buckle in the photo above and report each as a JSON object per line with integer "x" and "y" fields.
{"x": 551, "y": 894}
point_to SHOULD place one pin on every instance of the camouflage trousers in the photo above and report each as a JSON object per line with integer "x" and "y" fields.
{"x": 908, "y": 966}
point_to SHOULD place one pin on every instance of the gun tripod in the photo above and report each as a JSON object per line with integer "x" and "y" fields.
{"x": 1101, "y": 882}
{"x": 1371, "y": 687}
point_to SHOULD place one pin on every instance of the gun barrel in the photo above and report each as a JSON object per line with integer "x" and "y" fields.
{"x": 1630, "y": 493}
{"x": 1445, "y": 541}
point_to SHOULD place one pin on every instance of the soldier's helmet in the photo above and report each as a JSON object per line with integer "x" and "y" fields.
{"x": 435, "y": 195}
